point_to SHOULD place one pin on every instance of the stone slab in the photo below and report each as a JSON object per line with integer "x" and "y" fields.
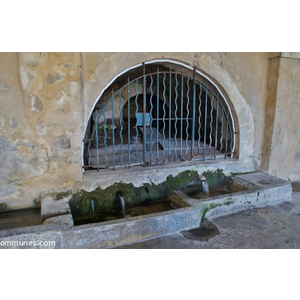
{"x": 128, "y": 231}
{"x": 64, "y": 220}
{"x": 262, "y": 180}
{"x": 53, "y": 208}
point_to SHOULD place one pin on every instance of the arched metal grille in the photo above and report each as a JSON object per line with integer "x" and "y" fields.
{"x": 158, "y": 118}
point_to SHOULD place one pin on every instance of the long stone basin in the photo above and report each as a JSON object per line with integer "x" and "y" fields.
{"x": 245, "y": 191}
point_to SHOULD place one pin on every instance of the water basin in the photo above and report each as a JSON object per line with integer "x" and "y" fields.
{"x": 20, "y": 218}
{"x": 226, "y": 186}
{"x": 145, "y": 208}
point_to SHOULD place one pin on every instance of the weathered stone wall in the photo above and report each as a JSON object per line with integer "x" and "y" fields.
{"x": 285, "y": 138}
{"x": 46, "y": 100}
{"x": 41, "y": 125}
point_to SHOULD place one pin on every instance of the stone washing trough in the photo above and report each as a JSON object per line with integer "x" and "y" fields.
{"x": 191, "y": 206}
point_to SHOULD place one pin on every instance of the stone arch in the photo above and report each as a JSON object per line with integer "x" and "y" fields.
{"x": 236, "y": 104}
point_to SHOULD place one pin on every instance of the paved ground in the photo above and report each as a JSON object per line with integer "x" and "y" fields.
{"x": 273, "y": 227}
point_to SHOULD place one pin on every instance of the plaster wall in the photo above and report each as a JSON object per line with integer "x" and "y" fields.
{"x": 285, "y": 138}
{"x": 46, "y": 100}
{"x": 41, "y": 125}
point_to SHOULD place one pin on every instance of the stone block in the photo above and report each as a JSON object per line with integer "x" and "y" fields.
{"x": 262, "y": 180}
{"x": 64, "y": 220}
{"x": 52, "y": 208}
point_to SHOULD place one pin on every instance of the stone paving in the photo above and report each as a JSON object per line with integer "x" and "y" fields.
{"x": 272, "y": 227}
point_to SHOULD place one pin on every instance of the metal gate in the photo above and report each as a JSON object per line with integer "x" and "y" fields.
{"x": 158, "y": 118}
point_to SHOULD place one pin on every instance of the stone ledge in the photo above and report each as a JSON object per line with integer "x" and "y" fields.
{"x": 53, "y": 208}
{"x": 64, "y": 220}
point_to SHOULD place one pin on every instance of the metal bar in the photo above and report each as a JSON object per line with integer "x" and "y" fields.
{"x": 226, "y": 146}
{"x": 181, "y": 117}
{"x": 170, "y": 114}
{"x": 194, "y": 116}
{"x": 97, "y": 139}
{"x": 211, "y": 121}
{"x": 222, "y": 125}
{"x": 199, "y": 119}
{"x": 121, "y": 117}
{"x": 105, "y": 137}
{"x": 113, "y": 131}
{"x": 173, "y": 119}
{"x": 151, "y": 129}
{"x": 128, "y": 102}
{"x": 205, "y": 119}
{"x": 144, "y": 115}
{"x": 187, "y": 115}
{"x": 176, "y": 109}
{"x": 217, "y": 122}
{"x": 90, "y": 155}
{"x": 136, "y": 129}
{"x": 164, "y": 108}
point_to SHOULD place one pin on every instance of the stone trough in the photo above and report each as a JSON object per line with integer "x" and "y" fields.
{"x": 244, "y": 192}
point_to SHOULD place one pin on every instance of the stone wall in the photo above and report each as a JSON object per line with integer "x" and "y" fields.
{"x": 46, "y": 100}
{"x": 285, "y": 138}
{"x": 41, "y": 125}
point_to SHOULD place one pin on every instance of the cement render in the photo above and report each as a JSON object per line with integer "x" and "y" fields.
{"x": 271, "y": 227}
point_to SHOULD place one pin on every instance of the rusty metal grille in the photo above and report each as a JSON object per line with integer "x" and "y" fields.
{"x": 158, "y": 118}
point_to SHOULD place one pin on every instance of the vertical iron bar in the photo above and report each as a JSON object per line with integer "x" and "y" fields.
{"x": 226, "y": 146}
{"x": 170, "y": 114}
{"x": 175, "y": 125}
{"x": 217, "y": 123}
{"x": 199, "y": 119}
{"x": 128, "y": 101}
{"x": 151, "y": 129}
{"x": 181, "y": 118}
{"x": 121, "y": 117}
{"x": 113, "y": 131}
{"x": 222, "y": 125}
{"x": 194, "y": 114}
{"x": 187, "y": 117}
{"x": 211, "y": 121}
{"x": 205, "y": 121}
{"x": 164, "y": 108}
{"x": 105, "y": 137}
{"x": 90, "y": 155}
{"x": 136, "y": 129}
{"x": 144, "y": 114}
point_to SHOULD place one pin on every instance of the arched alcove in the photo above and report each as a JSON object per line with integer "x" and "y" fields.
{"x": 159, "y": 112}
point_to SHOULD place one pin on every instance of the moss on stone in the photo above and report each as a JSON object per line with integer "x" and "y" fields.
{"x": 107, "y": 199}
{"x": 61, "y": 195}
{"x": 206, "y": 208}
{"x": 215, "y": 179}
{"x": 3, "y": 206}
{"x": 37, "y": 201}
{"x": 228, "y": 201}
{"x": 181, "y": 180}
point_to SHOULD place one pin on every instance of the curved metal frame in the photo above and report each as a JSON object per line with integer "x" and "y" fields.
{"x": 221, "y": 105}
